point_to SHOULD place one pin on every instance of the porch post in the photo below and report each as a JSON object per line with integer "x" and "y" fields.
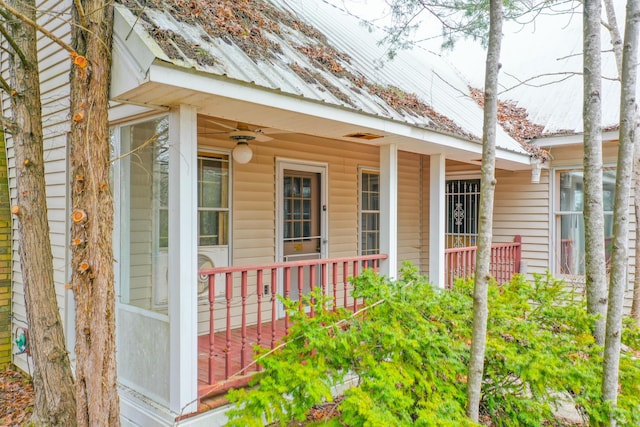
{"x": 183, "y": 298}
{"x": 389, "y": 209}
{"x": 437, "y": 219}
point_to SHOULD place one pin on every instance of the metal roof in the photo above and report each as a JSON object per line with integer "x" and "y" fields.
{"x": 319, "y": 52}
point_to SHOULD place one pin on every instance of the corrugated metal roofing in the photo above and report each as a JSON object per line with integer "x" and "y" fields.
{"x": 353, "y": 48}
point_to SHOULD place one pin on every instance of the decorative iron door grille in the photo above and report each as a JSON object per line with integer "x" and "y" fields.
{"x": 462, "y": 201}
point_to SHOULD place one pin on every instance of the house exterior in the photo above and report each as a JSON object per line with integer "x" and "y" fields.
{"x": 249, "y": 137}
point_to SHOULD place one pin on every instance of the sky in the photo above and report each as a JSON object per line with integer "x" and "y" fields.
{"x": 541, "y": 62}
{"x": 469, "y": 56}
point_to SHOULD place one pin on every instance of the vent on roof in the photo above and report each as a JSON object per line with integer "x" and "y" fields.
{"x": 364, "y": 135}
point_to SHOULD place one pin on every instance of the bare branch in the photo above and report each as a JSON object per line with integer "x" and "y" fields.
{"x": 5, "y": 85}
{"x": 8, "y": 124}
{"x": 14, "y": 46}
{"x": 33, "y": 24}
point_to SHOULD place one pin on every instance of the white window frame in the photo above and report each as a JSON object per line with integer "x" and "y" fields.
{"x": 555, "y": 215}
{"x": 374, "y": 171}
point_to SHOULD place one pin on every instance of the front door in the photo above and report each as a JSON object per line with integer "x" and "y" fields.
{"x": 301, "y": 220}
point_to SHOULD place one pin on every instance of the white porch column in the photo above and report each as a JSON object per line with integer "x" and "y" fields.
{"x": 183, "y": 255}
{"x": 437, "y": 219}
{"x": 389, "y": 209}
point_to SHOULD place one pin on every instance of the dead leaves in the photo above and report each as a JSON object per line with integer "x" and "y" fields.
{"x": 16, "y": 398}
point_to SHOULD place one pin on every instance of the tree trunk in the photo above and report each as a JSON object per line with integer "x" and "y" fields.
{"x": 92, "y": 219}
{"x": 619, "y": 275}
{"x": 635, "y": 304}
{"x": 595, "y": 268}
{"x": 485, "y": 226}
{"x": 55, "y": 402}
{"x": 616, "y": 42}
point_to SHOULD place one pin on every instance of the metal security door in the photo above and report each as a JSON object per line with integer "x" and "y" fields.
{"x": 462, "y": 203}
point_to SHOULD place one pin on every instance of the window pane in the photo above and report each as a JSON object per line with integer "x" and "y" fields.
{"x": 572, "y": 244}
{"x": 369, "y": 216}
{"x": 571, "y": 191}
{"x": 144, "y": 239}
{"x": 571, "y": 233}
{"x": 213, "y": 227}
{"x": 213, "y": 183}
{"x": 608, "y": 189}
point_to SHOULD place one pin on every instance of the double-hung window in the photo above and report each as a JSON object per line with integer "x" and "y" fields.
{"x": 369, "y": 212}
{"x": 569, "y": 219}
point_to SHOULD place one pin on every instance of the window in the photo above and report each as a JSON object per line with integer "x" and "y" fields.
{"x": 369, "y": 212}
{"x": 462, "y": 204}
{"x": 570, "y": 244}
{"x": 143, "y": 172}
{"x": 213, "y": 200}
{"x": 300, "y": 200}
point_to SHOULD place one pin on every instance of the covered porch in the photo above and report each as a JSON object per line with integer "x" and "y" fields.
{"x": 254, "y": 316}
{"x": 207, "y": 243}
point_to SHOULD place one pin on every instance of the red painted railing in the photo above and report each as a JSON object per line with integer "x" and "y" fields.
{"x": 244, "y": 309}
{"x": 505, "y": 261}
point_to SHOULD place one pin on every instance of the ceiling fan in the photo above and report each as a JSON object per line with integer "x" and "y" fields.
{"x": 241, "y": 132}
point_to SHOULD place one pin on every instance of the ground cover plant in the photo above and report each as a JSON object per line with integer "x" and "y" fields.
{"x": 405, "y": 358}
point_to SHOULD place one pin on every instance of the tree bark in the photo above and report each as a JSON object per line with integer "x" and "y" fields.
{"x": 616, "y": 42}
{"x": 619, "y": 275}
{"x": 55, "y": 402}
{"x": 595, "y": 267}
{"x": 485, "y": 225}
{"x": 92, "y": 220}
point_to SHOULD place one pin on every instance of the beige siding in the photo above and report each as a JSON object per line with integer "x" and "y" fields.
{"x": 522, "y": 208}
{"x": 254, "y": 205}
{"x": 409, "y": 208}
{"x": 424, "y": 235}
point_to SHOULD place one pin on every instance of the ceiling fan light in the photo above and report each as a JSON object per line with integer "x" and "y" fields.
{"x": 242, "y": 153}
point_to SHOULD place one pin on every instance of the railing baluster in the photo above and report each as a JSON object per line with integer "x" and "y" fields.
{"x": 212, "y": 329}
{"x": 287, "y": 287}
{"x": 324, "y": 284}
{"x": 335, "y": 285}
{"x": 244, "y": 285}
{"x": 274, "y": 308}
{"x": 355, "y": 273}
{"x": 259, "y": 292}
{"x": 227, "y": 356}
{"x": 300, "y": 287}
{"x": 312, "y": 285}
{"x": 345, "y": 274}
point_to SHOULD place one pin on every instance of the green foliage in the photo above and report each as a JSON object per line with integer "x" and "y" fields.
{"x": 406, "y": 358}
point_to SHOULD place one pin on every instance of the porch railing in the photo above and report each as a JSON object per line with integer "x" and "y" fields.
{"x": 505, "y": 261}
{"x": 244, "y": 309}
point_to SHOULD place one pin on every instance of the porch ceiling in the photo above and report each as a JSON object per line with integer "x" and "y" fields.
{"x": 286, "y": 114}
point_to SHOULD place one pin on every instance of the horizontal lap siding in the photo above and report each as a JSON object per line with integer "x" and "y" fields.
{"x": 522, "y": 208}
{"x": 409, "y": 209}
{"x": 424, "y": 260}
{"x": 254, "y": 206}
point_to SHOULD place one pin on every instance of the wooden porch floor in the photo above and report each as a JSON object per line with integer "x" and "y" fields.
{"x": 236, "y": 376}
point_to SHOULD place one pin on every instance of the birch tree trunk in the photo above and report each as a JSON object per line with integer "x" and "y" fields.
{"x": 52, "y": 377}
{"x": 616, "y": 42}
{"x": 595, "y": 267}
{"x": 485, "y": 225}
{"x": 92, "y": 220}
{"x": 619, "y": 275}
